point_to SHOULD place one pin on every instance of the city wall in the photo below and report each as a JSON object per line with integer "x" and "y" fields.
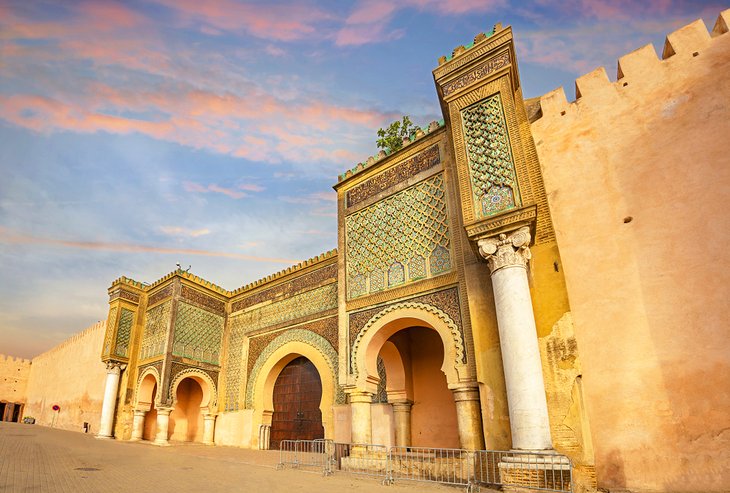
{"x": 71, "y": 376}
{"x": 636, "y": 172}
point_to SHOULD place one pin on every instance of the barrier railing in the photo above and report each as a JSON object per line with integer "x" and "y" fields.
{"x": 546, "y": 471}
{"x": 360, "y": 459}
{"x": 435, "y": 465}
{"x": 532, "y": 470}
{"x": 304, "y": 453}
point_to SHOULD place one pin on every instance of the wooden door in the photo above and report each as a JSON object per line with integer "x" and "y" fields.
{"x": 297, "y": 395}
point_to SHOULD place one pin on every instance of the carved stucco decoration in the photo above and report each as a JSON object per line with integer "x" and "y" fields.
{"x": 295, "y": 335}
{"x": 453, "y": 328}
{"x": 507, "y": 250}
{"x": 194, "y": 372}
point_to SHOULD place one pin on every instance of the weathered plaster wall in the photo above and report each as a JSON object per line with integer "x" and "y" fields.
{"x": 72, "y": 376}
{"x": 637, "y": 175}
{"x": 13, "y": 378}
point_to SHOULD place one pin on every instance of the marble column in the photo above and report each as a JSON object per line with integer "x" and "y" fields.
{"x": 469, "y": 416}
{"x": 507, "y": 256}
{"x": 163, "y": 422}
{"x": 362, "y": 421}
{"x": 402, "y": 418}
{"x": 138, "y": 425}
{"x": 109, "y": 404}
{"x": 209, "y": 428}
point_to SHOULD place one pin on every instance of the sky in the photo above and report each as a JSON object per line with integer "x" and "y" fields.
{"x": 138, "y": 134}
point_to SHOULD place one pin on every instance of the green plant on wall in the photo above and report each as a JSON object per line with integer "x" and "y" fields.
{"x": 391, "y": 139}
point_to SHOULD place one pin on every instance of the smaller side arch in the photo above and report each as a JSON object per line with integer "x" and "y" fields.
{"x": 146, "y": 383}
{"x": 396, "y": 317}
{"x": 210, "y": 394}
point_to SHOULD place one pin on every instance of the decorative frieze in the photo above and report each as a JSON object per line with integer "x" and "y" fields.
{"x": 299, "y": 306}
{"x": 202, "y": 300}
{"x": 124, "y": 294}
{"x": 160, "y": 295}
{"x": 289, "y": 288}
{"x": 420, "y": 162}
{"x": 490, "y": 66}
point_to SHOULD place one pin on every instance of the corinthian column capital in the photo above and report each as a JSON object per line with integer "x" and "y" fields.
{"x": 114, "y": 367}
{"x": 507, "y": 250}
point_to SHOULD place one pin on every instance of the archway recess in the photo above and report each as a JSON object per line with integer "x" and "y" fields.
{"x": 268, "y": 372}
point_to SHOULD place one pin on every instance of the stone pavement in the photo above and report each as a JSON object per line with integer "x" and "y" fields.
{"x": 36, "y": 458}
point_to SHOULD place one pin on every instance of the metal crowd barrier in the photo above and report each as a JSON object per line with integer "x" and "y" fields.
{"x": 303, "y": 454}
{"x": 546, "y": 471}
{"x": 435, "y": 465}
{"x": 361, "y": 459}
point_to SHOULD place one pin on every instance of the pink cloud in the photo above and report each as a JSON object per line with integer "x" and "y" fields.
{"x": 250, "y": 187}
{"x": 193, "y": 187}
{"x": 180, "y": 231}
{"x": 280, "y": 22}
{"x": 12, "y": 237}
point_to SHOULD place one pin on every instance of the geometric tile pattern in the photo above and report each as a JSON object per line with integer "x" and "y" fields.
{"x": 110, "y": 324}
{"x": 491, "y": 167}
{"x": 234, "y": 369}
{"x": 198, "y": 334}
{"x": 300, "y": 305}
{"x": 395, "y": 233}
{"x": 124, "y": 332}
{"x": 155, "y": 330}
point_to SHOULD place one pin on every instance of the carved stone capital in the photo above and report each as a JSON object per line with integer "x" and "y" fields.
{"x": 507, "y": 250}
{"x": 115, "y": 367}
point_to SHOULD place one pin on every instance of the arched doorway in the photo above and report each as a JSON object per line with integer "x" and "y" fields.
{"x": 186, "y": 419}
{"x": 412, "y": 360}
{"x": 145, "y": 409}
{"x": 297, "y": 397}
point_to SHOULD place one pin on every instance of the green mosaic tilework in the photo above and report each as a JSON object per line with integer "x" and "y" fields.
{"x": 491, "y": 166}
{"x": 124, "y": 332}
{"x": 395, "y": 239}
{"x": 291, "y": 308}
{"x": 198, "y": 334}
{"x": 234, "y": 369}
{"x": 111, "y": 322}
{"x": 155, "y": 330}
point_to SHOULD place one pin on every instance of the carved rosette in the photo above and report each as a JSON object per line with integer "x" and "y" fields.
{"x": 507, "y": 250}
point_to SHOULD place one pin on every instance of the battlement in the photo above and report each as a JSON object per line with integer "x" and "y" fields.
{"x": 419, "y": 133}
{"x": 13, "y": 359}
{"x": 640, "y": 67}
{"x": 289, "y": 270}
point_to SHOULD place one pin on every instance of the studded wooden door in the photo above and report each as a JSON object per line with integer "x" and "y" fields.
{"x": 297, "y": 395}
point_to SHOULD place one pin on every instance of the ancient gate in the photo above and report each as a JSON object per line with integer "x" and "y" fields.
{"x": 297, "y": 397}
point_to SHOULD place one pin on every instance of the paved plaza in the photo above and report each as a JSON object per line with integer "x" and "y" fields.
{"x": 36, "y": 458}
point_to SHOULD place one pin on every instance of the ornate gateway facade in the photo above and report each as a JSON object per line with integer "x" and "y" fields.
{"x": 443, "y": 317}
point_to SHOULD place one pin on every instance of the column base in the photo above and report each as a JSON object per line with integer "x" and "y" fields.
{"x": 104, "y": 437}
{"x": 161, "y": 443}
{"x": 540, "y": 470}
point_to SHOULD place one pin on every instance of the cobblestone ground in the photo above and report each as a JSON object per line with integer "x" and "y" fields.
{"x": 36, "y": 458}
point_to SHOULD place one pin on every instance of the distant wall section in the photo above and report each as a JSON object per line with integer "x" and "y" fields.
{"x": 72, "y": 376}
{"x": 13, "y": 382}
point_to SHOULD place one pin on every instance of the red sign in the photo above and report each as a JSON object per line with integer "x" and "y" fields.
{"x": 56, "y": 407}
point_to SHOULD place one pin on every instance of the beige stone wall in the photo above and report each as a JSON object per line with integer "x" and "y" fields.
{"x": 13, "y": 378}
{"x": 637, "y": 173}
{"x": 72, "y": 376}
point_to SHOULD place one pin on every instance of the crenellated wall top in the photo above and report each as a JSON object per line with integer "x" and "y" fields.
{"x": 641, "y": 67}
